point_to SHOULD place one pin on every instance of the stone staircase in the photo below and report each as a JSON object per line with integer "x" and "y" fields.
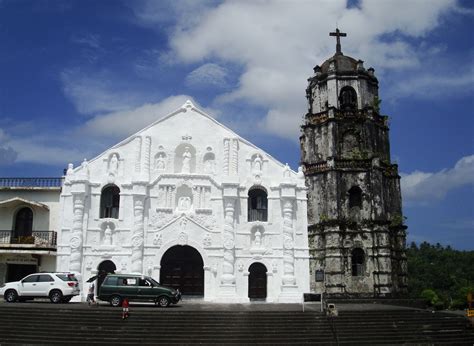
{"x": 401, "y": 327}
{"x": 31, "y": 323}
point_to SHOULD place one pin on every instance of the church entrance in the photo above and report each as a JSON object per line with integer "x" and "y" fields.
{"x": 104, "y": 268}
{"x": 257, "y": 281}
{"x": 182, "y": 268}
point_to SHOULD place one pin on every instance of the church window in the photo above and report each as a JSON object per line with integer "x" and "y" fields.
{"x": 348, "y": 98}
{"x": 110, "y": 202}
{"x": 257, "y": 204}
{"x": 355, "y": 197}
{"x": 358, "y": 257}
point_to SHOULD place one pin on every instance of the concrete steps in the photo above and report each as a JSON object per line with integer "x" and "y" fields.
{"x": 80, "y": 324}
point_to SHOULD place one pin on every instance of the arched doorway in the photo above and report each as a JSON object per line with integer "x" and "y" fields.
{"x": 182, "y": 268}
{"x": 104, "y": 268}
{"x": 257, "y": 281}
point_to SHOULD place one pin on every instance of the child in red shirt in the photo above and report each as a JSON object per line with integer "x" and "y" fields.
{"x": 125, "y": 312}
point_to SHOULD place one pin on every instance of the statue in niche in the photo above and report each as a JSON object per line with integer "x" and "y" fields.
{"x": 113, "y": 165}
{"x": 184, "y": 203}
{"x": 257, "y": 165}
{"x": 186, "y": 167}
{"x": 160, "y": 164}
{"x": 108, "y": 236}
{"x": 258, "y": 238}
{"x": 209, "y": 166}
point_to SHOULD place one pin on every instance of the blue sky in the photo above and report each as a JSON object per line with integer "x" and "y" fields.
{"x": 78, "y": 76}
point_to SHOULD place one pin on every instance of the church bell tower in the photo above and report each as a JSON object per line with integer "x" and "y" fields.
{"x": 355, "y": 222}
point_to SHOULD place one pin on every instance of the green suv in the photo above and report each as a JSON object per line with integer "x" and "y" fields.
{"x": 116, "y": 287}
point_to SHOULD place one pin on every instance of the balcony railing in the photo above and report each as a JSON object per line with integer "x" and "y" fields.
{"x": 31, "y": 182}
{"x": 350, "y": 163}
{"x": 37, "y": 239}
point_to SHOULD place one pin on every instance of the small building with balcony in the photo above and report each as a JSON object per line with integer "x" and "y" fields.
{"x": 29, "y": 219}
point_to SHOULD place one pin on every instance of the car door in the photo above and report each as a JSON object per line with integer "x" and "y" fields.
{"x": 128, "y": 287}
{"x": 29, "y": 285}
{"x": 145, "y": 290}
{"x": 44, "y": 285}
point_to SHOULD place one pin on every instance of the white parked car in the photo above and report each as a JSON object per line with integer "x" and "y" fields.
{"x": 59, "y": 287}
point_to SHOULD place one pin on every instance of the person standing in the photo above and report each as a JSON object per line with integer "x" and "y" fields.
{"x": 125, "y": 312}
{"x": 90, "y": 295}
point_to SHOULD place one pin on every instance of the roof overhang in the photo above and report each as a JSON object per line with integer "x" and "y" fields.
{"x": 16, "y": 201}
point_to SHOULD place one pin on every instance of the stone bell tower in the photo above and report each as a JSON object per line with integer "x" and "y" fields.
{"x": 355, "y": 222}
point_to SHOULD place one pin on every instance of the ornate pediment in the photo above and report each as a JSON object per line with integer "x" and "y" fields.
{"x": 184, "y": 222}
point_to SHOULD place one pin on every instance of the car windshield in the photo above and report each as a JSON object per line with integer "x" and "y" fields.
{"x": 66, "y": 277}
{"x": 154, "y": 281}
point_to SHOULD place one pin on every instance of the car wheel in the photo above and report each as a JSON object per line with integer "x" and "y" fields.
{"x": 10, "y": 296}
{"x": 115, "y": 301}
{"x": 163, "y": 302}
{"x": 56, "y": 296}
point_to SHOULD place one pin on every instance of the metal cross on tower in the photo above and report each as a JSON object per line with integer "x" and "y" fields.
{"x": 338, "y": 35}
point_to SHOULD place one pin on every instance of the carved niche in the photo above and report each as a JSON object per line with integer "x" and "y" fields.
{"x": 160, "y": 162}
{"x": 184, "y": 199}
{"x": 113, "y": 166}
{"x": 209, "y": 161}
{"x": 185, "y": 159}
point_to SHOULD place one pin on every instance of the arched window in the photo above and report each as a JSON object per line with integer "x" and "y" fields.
{"x": 257, "y": 204}
{"x": 355, "y": 197}
{"x": 23, "y": 223}
{"x": 358, "y": 257}
{"x": 348, "y": 98}
{"x": 110, "y": 202}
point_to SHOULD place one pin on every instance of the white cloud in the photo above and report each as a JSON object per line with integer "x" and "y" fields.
{"x": 123, "y": 123}
{"x": 156, "y": 13}
{"x": 94, "y": 92}
{"x": 277, "y": 43}
{"x": 429, "y": 86}
{"x": 425, "y": 187}
{"x": 7, "y": 154}
{"x": 32, "y": 150}
{"x": 207, "y": 75}
{"x": 89, "y": 40}
{"x": 87, "y": 140}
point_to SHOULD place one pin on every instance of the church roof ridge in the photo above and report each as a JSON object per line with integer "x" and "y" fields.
{"x": 185, "y": 107}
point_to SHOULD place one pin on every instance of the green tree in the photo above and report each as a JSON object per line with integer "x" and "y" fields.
{"x": 448, "y": 273}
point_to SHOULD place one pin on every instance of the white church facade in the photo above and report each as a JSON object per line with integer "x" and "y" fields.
{"x": 190, "y": 203}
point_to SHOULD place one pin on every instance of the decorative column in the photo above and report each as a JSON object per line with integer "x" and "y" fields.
{"x": 145, "y": 160}
{"x": 140, "y": 183}
{"x": 288, "y": 244}
{"x": 138, "y": 155}
{"x": 226, "y": 156}
{"x": 227, "y": 289}
{"x": 234, "y": 162}
{"x": 290, "y": 292}
{"x": 79, "y": 185}
{"x": 137, "y": 234}
{"x": 75, "y": 241}
{"x": 228, "y": 277}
